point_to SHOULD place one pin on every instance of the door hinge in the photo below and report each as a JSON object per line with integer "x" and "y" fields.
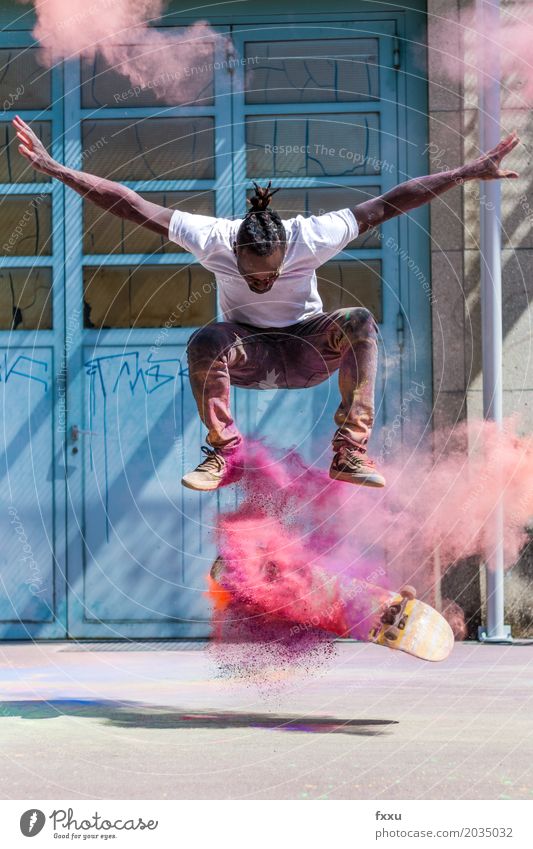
{"x": 396, "y": 54}
{"x": 400, "y": 328}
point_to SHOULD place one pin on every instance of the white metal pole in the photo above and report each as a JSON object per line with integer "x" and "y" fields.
{"x": 488, "y": 18}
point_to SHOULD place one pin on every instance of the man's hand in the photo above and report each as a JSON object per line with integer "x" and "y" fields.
{"x": 487, "y": 166}
{"x": 32, "y": 148}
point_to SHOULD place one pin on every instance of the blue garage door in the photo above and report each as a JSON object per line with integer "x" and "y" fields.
{"x": 32, "y": 368}
{"x": 315, "y": 109}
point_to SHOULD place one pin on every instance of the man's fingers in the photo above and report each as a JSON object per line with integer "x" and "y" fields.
{"x": 25, "y": 151}
{"x": 515, "y": 141}
{"x": 23, "y": 137}
{"x": 19, "y": 123}
{"x": 511, "y": 174}
{"x": 504, "y": 148}
{"x": 21, "y": 126}
{"x": 511, "y": 142}
{"x": 20, "y": 120}
{"x": 25, "y": 130}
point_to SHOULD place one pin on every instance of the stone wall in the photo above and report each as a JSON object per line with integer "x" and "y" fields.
{"x": 456, "y": 317}
{"x": 453, "y": 118}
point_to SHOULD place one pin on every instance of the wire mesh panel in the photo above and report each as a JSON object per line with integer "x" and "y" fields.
{"x": 155, "y": 149}
{"x": 352, "y": 284}
{"x": 26, "y": 225}
{"x": 25, "y": 299}
{"x": 106, "y": 234}
{"x": 102, "y": 86}
{"x": 147, "y": 295}
{"x": 331, "y": 145}
{"x": 312, "y": 71}
{"x": 25, "y": 81}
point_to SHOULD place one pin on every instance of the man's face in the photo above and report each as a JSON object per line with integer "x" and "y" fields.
{"x": 260, "y": 272}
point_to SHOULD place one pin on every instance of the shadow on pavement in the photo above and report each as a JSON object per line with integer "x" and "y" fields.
{"x": 140, "y": 715}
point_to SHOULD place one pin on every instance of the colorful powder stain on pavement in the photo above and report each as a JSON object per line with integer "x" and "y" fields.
{"x": 298, "y": 540}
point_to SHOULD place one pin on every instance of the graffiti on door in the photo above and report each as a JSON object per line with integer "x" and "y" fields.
{"x": 128, "y": 371}
{"x": 25, "y": 367}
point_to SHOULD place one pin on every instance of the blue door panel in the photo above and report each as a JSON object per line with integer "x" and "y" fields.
{"x": 144, "y": 535}
{"x": 32, "y": 385}
{"x": 28, "y": 592}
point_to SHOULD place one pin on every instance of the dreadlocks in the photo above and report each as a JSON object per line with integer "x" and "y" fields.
{"x": 261, "y": 231}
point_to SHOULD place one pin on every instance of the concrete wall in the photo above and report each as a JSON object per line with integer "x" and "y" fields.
{"x": 455, "y": 238}
{"x": 456, "y": 317}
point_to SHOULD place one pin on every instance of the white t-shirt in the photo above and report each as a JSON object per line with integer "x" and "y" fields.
{"x": 294, "y": 296}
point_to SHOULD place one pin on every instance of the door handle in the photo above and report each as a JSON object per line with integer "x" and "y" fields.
{"x": 75, "y": 433}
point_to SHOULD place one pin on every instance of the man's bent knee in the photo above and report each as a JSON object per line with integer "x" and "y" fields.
{"x": 356, "y": 321}
{"x": 211, "y": 339}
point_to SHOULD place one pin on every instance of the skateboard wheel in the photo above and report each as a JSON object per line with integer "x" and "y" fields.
{"x": 217, "y": 569}
{"x": 392, "y": 633}
{"x": 388, "y": 617}
{"x": 408, "y": 592}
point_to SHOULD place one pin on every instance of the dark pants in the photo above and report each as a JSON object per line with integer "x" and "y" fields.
{"x": 304, "y": 354}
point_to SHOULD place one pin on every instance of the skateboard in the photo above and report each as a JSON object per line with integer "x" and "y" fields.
{"x": 397, "y": 620}
{"x": 412, "y": 626}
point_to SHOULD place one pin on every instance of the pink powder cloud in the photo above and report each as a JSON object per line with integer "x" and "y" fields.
{"x": 480, "y": 45}
{"x": 118, "y": 31}
{"x": 318, "y": 534}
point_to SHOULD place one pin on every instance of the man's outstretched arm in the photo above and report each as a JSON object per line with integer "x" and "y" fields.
{"x": 421, "y": 190}
{"x": 104, "y": 193}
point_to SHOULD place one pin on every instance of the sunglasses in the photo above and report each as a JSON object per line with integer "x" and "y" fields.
{"x": 262, "y": 281}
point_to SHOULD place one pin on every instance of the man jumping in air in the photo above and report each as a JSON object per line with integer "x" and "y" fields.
{"x": 265, "y": 270}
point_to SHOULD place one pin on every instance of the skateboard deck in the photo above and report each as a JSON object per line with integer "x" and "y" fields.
{"x": 397, "y": 620}
{"x": 412, "y": 626}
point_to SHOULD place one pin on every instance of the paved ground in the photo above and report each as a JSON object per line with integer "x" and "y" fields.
{"x": 161, "y": 724}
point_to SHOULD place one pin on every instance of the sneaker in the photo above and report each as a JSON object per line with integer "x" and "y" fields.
{"x": 215, "y": 471}
{"x": 353, "y": 466}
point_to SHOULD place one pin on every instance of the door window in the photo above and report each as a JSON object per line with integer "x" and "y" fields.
{"x": 312, "y": 71}
{"x": 125, "y": 133}
{"x": 311, "y": 120}
{"x": 25, "y": 198}
{"x": 25, "y": 83}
